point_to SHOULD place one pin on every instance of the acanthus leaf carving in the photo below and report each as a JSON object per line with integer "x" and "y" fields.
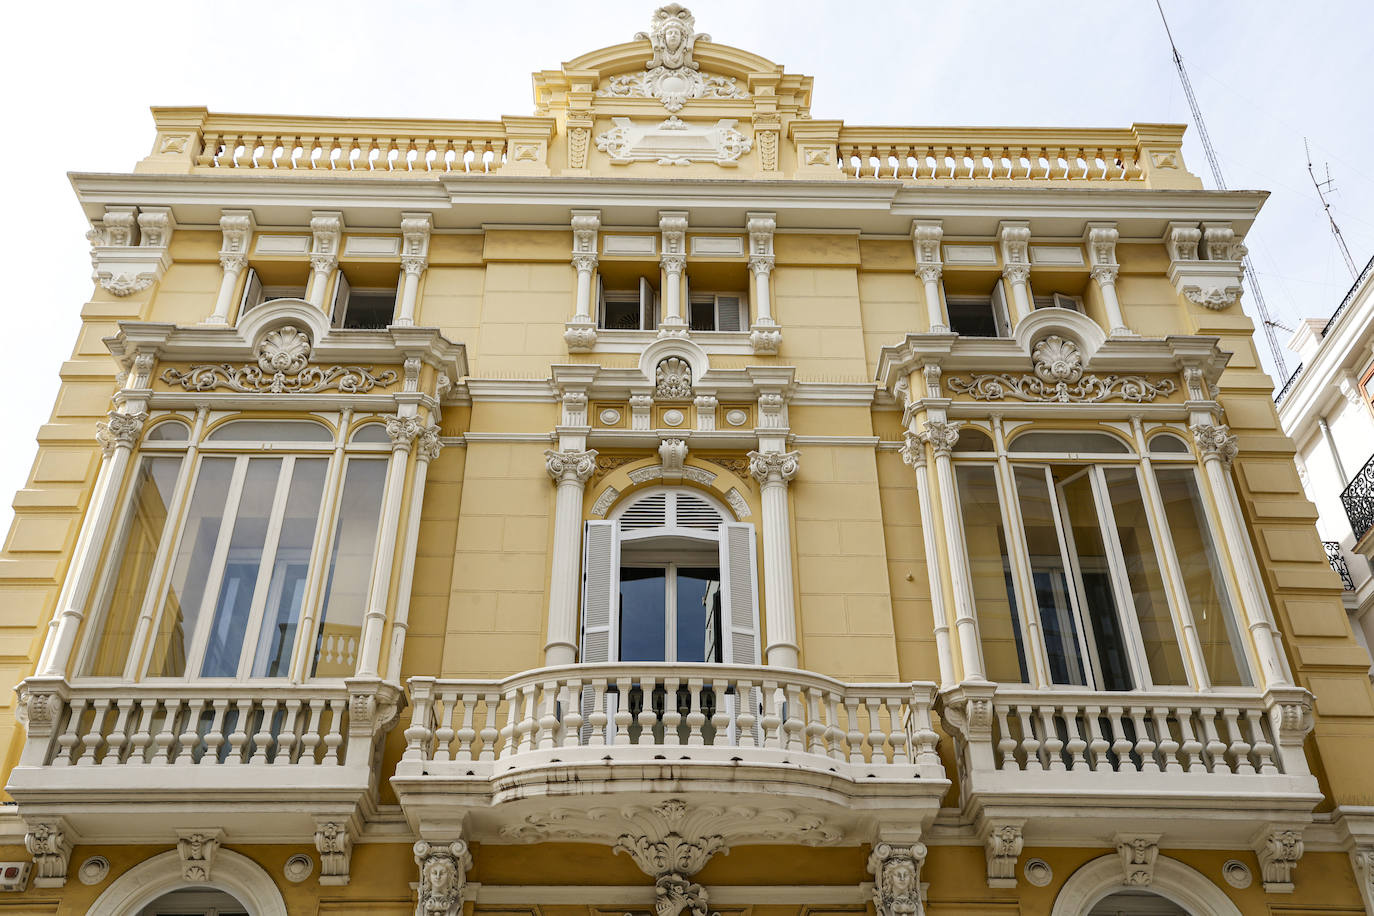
{"x": 1058, "y": 376}
{"x": 283, "y": 357}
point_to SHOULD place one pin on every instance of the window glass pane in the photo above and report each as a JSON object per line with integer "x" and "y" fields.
{"x": 350, "y": 568}
{"x": 972, "y": 318}
{"x": 622, "y": 314}
{"x": 1202, "y": 572}
{"x": 702, "y": 313}
{"x": 1004, "y": 656}
{"x": 1147, "y": 582}
{"x": 973, "y": 440}
{"x": 643, "y": 614}
{"x": 698, "y": 614}
{"x": 272, "y": 431}
{"x": 1058, "y": 621}
{"x": 286, "y": 589}
{"x": 168, "y": 431}
{"x": 191, "y": 568}
{"x": 225, "y": 643}
{"x": 371, "y": 432}
{"x": 152, "y": 491}
{"x": 1094, "y": 572}
{"x": 1068, "y": 441}
{"x": 1166, "y": 444}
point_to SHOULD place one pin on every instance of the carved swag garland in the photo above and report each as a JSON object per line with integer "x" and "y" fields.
{"x": 283, "y": 368}
{"x": 1058, "y": 377}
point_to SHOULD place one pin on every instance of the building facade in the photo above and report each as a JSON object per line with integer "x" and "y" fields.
{"x": 672, "y": 503}
{"x": 1326, "y": 408}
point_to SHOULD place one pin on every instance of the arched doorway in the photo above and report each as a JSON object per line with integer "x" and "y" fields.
{"x": 1137, "y": 903}
{"x": 195, "y": 902}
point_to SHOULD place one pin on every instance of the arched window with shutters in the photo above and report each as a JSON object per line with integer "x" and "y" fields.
{"x": 670, "y": 578}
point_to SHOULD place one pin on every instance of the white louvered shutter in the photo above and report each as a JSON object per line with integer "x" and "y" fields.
{"x": 730, "y": 309}
{"x": 600, "y": 601}
{"x": 741, "y": 605}
{"x": 740, "y": 613}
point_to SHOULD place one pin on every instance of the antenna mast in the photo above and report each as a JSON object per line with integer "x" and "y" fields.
{"x": 1260, "y": 305}
{"x": 1323, "y": 187}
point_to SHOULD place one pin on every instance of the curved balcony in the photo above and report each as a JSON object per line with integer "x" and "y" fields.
{"x": 1077, "y": 764}
{"x": 794, "y": 745}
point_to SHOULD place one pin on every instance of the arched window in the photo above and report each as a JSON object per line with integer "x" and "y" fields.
{"x": 1085, "y": 566}
{"x": 230, "y": 544}
{"x": 669, "y": 578}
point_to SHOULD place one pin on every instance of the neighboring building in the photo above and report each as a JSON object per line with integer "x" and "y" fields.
{"x": 1327, "y": 407}
{"x": 920, "y": 526}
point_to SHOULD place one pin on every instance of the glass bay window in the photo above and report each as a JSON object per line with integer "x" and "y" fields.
{"x": 1089, "y": 565}
{"x": 229, "y": 544}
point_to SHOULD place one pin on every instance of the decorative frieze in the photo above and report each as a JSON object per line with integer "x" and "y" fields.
{"x": 443, "y": 875}
{"x": 1058, "y": 377}
{"x": 283, "y": 368}
{"x": 896, "y": 871}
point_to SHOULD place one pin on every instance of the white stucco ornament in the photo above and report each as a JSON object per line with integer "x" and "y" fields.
{"x": 671, "y": 75}
{"x": 674, "y": 142}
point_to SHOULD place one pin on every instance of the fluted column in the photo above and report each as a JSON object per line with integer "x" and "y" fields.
{"x": 673, "y": 260}
{"x": 236, "y": 231}
{"x": 941, "y": 436}
{"x": 765, "y": 336}
{"x": 415, "y": 230}
{"x": 926, "y": 236}
{"x": 1101, "y": 238}
{"x": 1218, "y": 449}
{"x": 773, "y": 471}
{"x": 581, "y": 331}
{"x": 570, "y": 470}
{"x": 117, "y": 438}
{"x": 427, "y": 448}
{"x": 914, "y": 454}
{"x": 326, "y": 230}
{"x": 1015, "y": 239}
{"x": 403, "y": 432}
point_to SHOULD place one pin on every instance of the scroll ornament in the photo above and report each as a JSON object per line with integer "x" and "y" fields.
{"x": 1058, "y": 377}
{"x": 283, "y": 368}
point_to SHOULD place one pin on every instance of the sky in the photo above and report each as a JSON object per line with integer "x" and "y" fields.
{"x": 81, "y": 75}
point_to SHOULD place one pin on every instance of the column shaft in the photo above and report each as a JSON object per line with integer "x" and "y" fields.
{"x": 570, "y": 470}
{"x": 777, "y": 576}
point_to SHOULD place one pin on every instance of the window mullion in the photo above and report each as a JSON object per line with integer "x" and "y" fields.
{"x": 1087, "y": 648}
{"x": 319, "y": 555}
{"x": 266, "y": 567}
{"x": 1121, "y": 582}
{"x": 1023, "y": 579}
{"x": 217, "y": 562}
{"x": 670, "y": 608}
{"x": 1173, "y": 575}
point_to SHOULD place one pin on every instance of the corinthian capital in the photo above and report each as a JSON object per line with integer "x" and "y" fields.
{"x": 403, "y": 431}
{"x": 913, "y": 452}
{"x": 1215, "y": 442}
{"x": 121, "y": 430}
{"x": 570, "y": 466}
{"x": 430, "y": 444}
{"x": 774, "y": 467}
{"x": 941, "y": 436}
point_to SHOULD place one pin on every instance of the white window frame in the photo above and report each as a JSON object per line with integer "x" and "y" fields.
{"x": 648, "y": 305}
{"x": 719, "y": 310}
{"x": 1095, "y": 464}
{"x": 192, "y": 452}
{"x": 995, "y": 302}
{"x": 344, "y": 292}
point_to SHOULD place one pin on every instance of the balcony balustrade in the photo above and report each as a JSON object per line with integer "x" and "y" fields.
{"x": 989, "y": 154}
{"x": 1339, "y": 565}
{"x": 1358, "y": 498}
{"x": 1213, "y": 762}
{"x": 120, "y": 761}
{"x": 582, "y": 734}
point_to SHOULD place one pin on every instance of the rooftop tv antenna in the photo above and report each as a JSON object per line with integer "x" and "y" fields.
{"x": 1324, "y": 188}
{"x": 1265, "y": 318}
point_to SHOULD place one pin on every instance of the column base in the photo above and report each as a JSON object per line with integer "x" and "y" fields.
{"x": 676, "y": 328}
{"x": 765, "y": 339}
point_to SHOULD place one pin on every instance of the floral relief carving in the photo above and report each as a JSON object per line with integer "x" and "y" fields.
{"x": 1058, "y": 376}
{"x": 283, "y": 357}
{"x": 673, "y": 379}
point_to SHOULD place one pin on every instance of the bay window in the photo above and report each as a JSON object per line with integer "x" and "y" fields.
{"x": 1090, "y": 566}
{"x": 244, "y": 555}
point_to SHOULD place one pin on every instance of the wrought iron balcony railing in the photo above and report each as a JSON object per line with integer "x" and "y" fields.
{"x": 1358, "y": 498}
{"x": 1338, "y": 564}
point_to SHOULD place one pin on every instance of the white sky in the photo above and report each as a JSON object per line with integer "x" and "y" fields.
{"x": 80, "y": 77}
